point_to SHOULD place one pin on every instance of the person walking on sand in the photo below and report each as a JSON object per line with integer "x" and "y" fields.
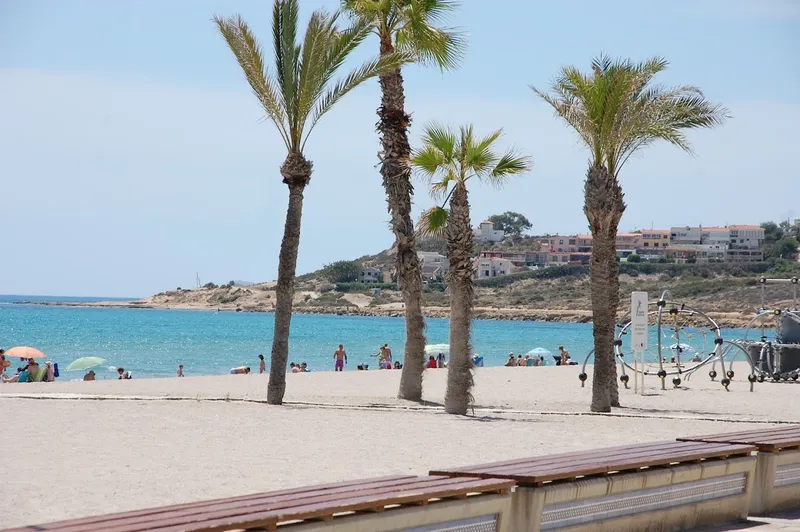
{"x": 180, "y": 370}
{"x": 262, "y": 366}
{"x": 340, "y": 356}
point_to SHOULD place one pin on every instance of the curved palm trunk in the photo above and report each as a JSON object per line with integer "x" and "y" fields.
{"x": 603, "y": 207}
{"x": 296, "y": 172}
{"x": 459, "y": 251}
{"x": 396, "y": 174}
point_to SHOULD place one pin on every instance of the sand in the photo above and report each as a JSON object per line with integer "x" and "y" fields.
{"x": 75, "y": 448}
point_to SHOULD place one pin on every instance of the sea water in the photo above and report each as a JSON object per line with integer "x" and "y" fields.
{"x": 152, "y": 342}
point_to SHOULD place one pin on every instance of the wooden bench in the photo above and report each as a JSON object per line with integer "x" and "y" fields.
{"x": 381, "y": 504}
{"x": 777, "y": 478}
{"x": 665, "y": 485}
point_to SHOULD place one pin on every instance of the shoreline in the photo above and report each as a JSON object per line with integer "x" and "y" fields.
{"x": 734, "y": 320}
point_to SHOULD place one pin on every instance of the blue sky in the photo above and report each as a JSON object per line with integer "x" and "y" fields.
{"x": 133, "y": 155}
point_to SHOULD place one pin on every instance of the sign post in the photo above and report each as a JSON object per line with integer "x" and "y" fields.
{"x": 639, "y": 314}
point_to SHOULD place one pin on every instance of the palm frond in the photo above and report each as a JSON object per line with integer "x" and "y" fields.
{"x": 248, "y": 54}
{"x": 449, "y": 157}
{"x": 287, "y": 61}
{"x": 440, "y": 46}
{"x": 300, "y": 90}
{"x": 433, "y": 222}
{"x": 618, "y": 110}
{"x": 356, "y": 77}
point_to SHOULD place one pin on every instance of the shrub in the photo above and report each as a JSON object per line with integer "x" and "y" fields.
{"x": 364, "y": 287}
{"x": 634, "y": 258}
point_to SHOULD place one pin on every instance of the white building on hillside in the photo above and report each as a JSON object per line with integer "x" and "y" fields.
{"x": 746, "y": 236}
{"x": 486, "y": 234}
{"x": 486, "y": 268}
{"x": 369, "y": 274}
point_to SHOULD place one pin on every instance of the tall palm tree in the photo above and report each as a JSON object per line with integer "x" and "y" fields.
{"x": 408, "y": 26}
{"x": 295, "y": 95}
{"x": 449, "y": 159}
{"x": 617, "y": 111}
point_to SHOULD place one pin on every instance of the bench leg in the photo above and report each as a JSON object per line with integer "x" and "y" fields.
{"x": 527, "y": 505}
{"x": 763, "y": 482}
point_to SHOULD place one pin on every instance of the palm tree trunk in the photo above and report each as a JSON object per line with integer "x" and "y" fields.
{"x": 296, "y": 172}
{"x": 603, "y": 207}
{"x": 396, "y": 173}
{"x": 459, "y": 251}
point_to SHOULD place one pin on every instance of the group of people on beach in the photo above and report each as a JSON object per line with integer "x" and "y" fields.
{"x": 28, "y": 371}
{"x": 561, "y": 359}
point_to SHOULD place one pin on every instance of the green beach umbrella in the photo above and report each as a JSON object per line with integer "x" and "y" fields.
{"x": 433, "y": 349}
{"x": 85, "y": 363}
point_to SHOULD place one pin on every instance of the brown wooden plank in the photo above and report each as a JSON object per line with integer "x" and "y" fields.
{"x": 577, "y": 461}
{"x": 538, "y": 470}
{"x": 365, "y": 483}
{"x": 311, "y": 511}
{"x": 285, "y": 497}
{"x": 553, "y": 458}
{"x": 765, "y": 440}
{"x": 329, "y": 502}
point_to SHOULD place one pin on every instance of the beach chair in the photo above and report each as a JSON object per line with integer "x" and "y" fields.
{"x": 399, "y": 503}
{"x": 777, "y": 477}
{"x": 655, "y": 486}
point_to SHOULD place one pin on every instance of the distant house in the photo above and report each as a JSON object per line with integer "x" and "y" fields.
{"x": 486, "y": 268}
{"x": 432, "y": 271}
{"x": 486, "y": 234}
{"x": 369, "y": 274}
{"x": 433, "y": 265}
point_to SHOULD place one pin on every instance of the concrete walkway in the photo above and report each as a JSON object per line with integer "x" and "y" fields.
{"x": 786, "y": 522}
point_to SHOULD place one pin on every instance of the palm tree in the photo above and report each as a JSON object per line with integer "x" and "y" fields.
{"x": 617, "y": 112}
{"x": 408, "y": 26}
{"x": 294, "y": 96}
{"x": 449, "y": 159}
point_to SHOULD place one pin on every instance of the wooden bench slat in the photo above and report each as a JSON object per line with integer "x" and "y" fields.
{"x": 765, "y": 440}
{"x": 136, "y": 520}
{"x": 544, "y": 469}
{"x": 333, "y": 499}
{"x": 197, "y": 510}
{"x": 584, "y": 459}
{"x": 242, "y": 498}
{"x": 545, "y": 474}
{"x": 567, "y": 456}
{"x": 321, "y": 509}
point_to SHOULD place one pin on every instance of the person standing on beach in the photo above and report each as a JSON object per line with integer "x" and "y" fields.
{"x": 340, "y": 356}
{"x": 180, "y": 370}
{"x": 564, "y": 355}
{"x": 386, "y": 352}
{"x": 262, "y": 366}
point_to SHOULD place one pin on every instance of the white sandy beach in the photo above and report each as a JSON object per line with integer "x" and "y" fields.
{"x": 97, "y": 447}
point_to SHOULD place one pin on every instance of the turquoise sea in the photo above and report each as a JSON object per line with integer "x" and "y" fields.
{"x": 152, "y": 343}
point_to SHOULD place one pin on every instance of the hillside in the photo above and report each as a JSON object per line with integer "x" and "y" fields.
{"x": 728, "y": 292}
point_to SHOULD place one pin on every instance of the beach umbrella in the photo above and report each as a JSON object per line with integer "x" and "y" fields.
{"x": 435, "y": 349}
{"x": 23, "y": 351}
{"x": 85, "y": 363}
{"x": 538, "y": 351}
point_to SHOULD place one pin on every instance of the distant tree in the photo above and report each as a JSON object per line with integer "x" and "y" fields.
{"x": 634, "y": 258}
{"x": 343, "y": 271}
{"x": 772, "y": 232}
{"x": 513, "y": 223}
{"x": 785, "y": 248}
{"x": 294, "y": 94}
{"x": 449, "y": 158}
